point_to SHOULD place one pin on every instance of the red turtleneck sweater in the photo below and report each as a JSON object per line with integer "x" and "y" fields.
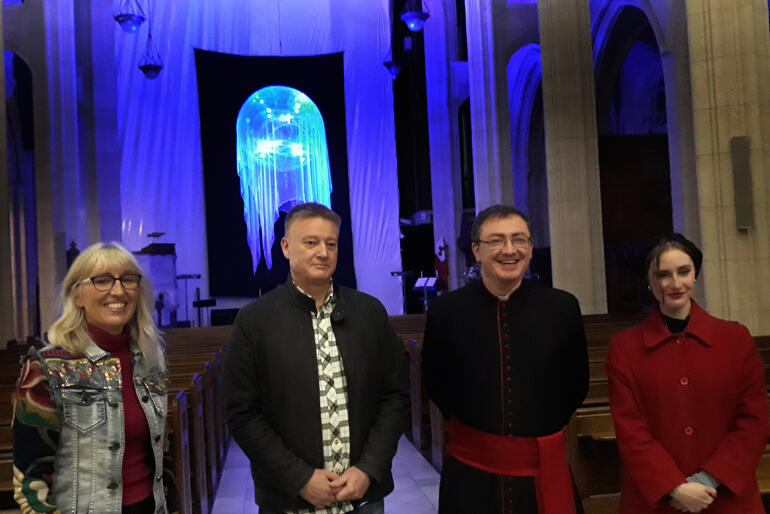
{"x": 137, "y": 455}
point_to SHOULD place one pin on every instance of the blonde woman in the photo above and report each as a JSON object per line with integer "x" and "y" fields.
{"x": 90, "y": 408}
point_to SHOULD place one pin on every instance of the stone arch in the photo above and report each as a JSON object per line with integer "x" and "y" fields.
{"x": 632, "y": 129}
{"x": 20, "y": 167}
{"x": 530, "y": 183}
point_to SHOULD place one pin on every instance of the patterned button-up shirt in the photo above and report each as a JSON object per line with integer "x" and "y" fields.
{"x": 333, "y": 397}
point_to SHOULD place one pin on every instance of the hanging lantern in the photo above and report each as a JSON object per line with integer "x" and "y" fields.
{"x": 151, "y": 63}
{"x": 130, "y": 16}
{"x": 393, "y": 67}
{"x": 414, "y": 15}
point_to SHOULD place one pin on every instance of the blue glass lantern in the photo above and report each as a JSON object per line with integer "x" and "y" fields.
{"x": 130, "y": 16}
{"x": 282, "y": 159}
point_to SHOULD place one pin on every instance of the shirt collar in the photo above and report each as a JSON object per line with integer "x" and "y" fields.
{"x": 329, "y": 294}
{"x": 701, "y": 327}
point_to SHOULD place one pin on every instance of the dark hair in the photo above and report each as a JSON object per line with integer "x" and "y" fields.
{"x": 674, "y": 241}
{"x": 495, "y": 211}
{"x": 310, "y": 210}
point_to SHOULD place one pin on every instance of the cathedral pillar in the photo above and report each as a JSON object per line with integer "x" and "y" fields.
{"x": 7, "y": 318}
{"x": 729, "y": 47}
{"x": 97, "y": 107}
{"x": 572, "y": 157}
{"x": 440, "y": 39}
{"x": 490, "y": 123}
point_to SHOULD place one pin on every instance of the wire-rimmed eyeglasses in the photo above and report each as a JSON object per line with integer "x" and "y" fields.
{"x": 498, "y": 243}
{"x": 105, "y": 283}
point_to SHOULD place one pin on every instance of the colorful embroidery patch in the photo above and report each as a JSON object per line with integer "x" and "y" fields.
{"x": 81, "y": 372}
{"x": 157, "y": 383}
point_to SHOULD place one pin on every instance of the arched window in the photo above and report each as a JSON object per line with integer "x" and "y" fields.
{"x": 282, "y": 161}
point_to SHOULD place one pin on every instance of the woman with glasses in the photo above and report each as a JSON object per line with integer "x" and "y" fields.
{"x": 90, "y": 408}
{"x": 688, "y": 399}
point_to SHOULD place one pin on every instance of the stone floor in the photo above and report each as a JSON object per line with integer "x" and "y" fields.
{"x": 416, "y": 483}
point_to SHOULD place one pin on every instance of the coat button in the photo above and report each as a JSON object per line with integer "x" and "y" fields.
{"x": 688, "y": 430}
{"x": 679, "y": 340}
{"x": 112, "y": 485}
{"x": 684, "y": 381}
{"x": 145, "y": 398}
{"x": 114, "y": 446}
{"x": 157, "y": 438}
{"x": 114, "y": 405}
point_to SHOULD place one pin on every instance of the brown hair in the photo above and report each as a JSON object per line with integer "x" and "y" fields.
{"x": 670, "y": 242}
{"x": 310, "y": 210}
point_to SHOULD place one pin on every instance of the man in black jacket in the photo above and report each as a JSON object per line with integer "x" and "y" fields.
{"x": 314, "y": 383}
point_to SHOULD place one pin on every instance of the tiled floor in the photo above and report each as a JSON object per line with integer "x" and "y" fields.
{"x": 416, "y": 483}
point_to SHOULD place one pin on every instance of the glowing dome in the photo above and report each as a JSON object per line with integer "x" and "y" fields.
{"x": 282, "y": 161}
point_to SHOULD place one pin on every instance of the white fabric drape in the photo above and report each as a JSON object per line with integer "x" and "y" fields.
{"x": 161, "y": 176}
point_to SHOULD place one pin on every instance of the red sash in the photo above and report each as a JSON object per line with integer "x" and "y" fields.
{"x": 544, "y": 458}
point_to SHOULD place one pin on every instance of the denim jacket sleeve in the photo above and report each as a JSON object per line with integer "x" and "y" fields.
{"x": 36, "y": 428}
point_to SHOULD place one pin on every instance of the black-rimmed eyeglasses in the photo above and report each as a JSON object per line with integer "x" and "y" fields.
{"x": 498, "y": 243}
{"x": 104, "y": 283}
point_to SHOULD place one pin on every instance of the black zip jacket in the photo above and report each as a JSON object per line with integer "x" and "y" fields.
{"x": 272, "y": 395}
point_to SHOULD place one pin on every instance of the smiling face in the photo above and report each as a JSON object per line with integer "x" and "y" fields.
{"x": 108, "y": 310}
{"x": 672, "y": 283}
{"x": 502, "y": 270}
{"x": 311, "y": 247}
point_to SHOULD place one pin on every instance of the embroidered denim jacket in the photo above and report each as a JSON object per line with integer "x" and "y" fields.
{"x": 69, "y": 432}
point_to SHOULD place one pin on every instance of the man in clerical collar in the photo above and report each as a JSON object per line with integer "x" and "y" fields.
{"x": 316, "y": 395}
{"x": 505, "y": 361}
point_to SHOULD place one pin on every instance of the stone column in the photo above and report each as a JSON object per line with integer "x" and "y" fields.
{"x": 25, "y": 28}
{"x": 490, "y": 126}
{"x": 440, "y": 38}
{"x": 97, "y": 107}
{"x": 7, "y": 321}
{"x": 729, "y": 47}
{"x": 676, "y": 70}
{"x": 572, "y": 158}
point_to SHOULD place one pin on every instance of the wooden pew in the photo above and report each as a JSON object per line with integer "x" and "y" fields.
{"x": 199, "y": 493}
{"x": 179, "y": 440}
{"x": 420, "y": 409}
{"x": 408, "y": 326}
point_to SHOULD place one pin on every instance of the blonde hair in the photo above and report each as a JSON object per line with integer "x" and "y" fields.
{"x": 69, "y": 330}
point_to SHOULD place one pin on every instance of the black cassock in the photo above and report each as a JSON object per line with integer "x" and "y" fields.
{"x": 508, "y": 367}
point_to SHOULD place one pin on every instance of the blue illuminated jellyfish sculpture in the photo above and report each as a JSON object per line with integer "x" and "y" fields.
{"x": 282, "y": 161}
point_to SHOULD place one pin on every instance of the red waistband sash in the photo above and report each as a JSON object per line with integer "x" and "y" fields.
{"x": 543, "y": 458}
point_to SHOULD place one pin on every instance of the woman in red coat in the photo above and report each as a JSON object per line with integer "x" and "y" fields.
{"x": 688, "y": 399}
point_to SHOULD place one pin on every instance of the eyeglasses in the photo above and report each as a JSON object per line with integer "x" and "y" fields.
{"x": 105, "y": 283}
{"x": 498, "y": 243}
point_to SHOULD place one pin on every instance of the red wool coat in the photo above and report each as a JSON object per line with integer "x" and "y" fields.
{"x": 686, "y": 402}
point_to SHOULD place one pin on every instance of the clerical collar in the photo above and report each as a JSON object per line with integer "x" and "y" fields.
{"x": 503, "y": 297}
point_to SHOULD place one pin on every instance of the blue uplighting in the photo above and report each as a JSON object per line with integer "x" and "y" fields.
{"x": 282, "y": 161}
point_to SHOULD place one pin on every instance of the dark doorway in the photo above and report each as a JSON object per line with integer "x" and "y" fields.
{"x": 633, "y": 156}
